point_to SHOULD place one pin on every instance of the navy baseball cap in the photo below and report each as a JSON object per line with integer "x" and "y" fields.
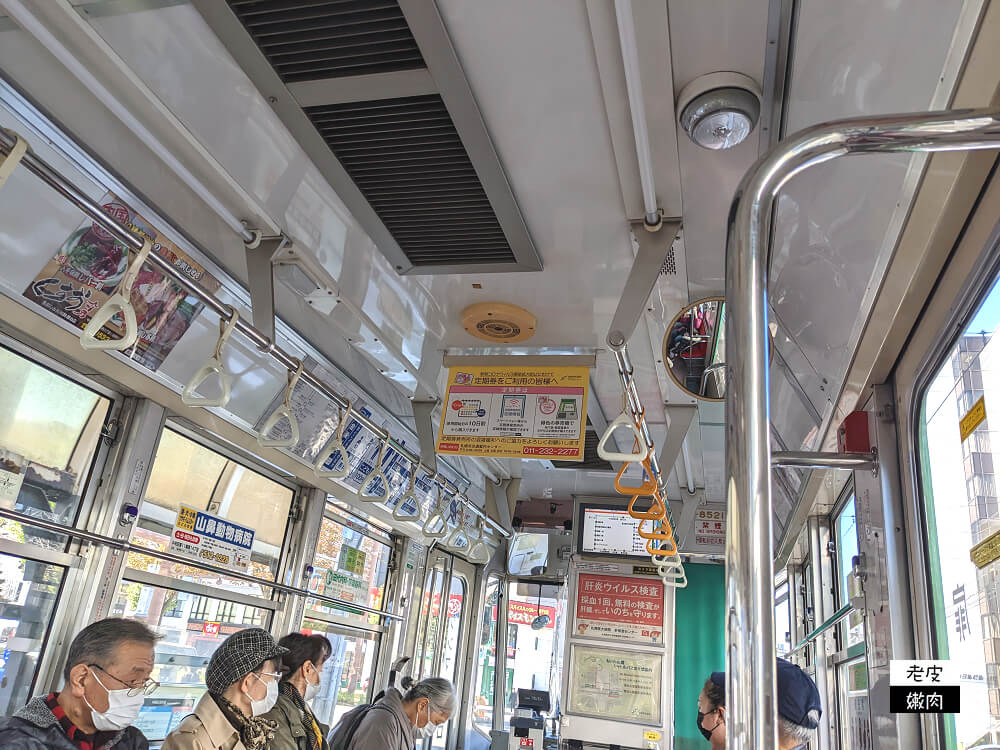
{"x": 797, "y": 693}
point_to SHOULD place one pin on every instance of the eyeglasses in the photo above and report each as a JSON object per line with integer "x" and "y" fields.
{"x": 275, "y": 676}
{"x": 146, "y": 688}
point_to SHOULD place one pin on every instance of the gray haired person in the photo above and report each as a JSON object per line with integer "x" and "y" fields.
{"x": 107, "y": 678}
{"x": 397, "y": 720}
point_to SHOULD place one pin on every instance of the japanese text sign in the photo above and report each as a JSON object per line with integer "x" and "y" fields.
{"x": 524, "y": 613}
{"x": 515, "y": 412}
{"x": 619, "y": 608}
{"x": 210, "y": 539}
{"x": 924, "y": 686}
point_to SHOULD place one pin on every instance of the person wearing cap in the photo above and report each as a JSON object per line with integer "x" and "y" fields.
{"x": 799, "y": 709}
{"x": 242, "y": 681}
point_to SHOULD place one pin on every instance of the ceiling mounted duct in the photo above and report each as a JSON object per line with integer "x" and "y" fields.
{"x": 719, "y": 110}
{"x": 499, "y": 322}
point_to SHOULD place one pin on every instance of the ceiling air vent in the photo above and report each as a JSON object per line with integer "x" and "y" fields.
{"x": 306, "y": 40}
{"x": 591, "y": 461}
{"x": 408, "y": 161}
{"x": 375, "y": 94}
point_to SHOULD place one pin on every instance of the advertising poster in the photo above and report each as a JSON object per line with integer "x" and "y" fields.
{"x": 614, "y": 684}
{"x": 515, "y": 412}
{"x": 619, "y": 608}
{"x": 524, "y": 613}
{"x": 88, "y": 268}
{"x": 206, "y": 538}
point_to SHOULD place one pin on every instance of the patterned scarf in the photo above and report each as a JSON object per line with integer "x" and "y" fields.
{"x": 309, "y": 724}
{"x": 255, "y": 732}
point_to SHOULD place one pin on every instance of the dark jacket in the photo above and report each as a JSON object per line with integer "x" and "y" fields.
{"x": 35, "y": 727}
{"x": 386, "y": 727}
{"x": 291, "y": 734}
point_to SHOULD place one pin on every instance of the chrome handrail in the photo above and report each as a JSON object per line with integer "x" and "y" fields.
{"x": 750, "y": 666}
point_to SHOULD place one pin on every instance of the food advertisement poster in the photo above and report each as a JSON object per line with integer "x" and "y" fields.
{"x": 515, "y": 412}
{"x": 619, "y": 608}
{"x": 206, "y": 538}
{"x": 615, "y": 684}
{"x": 88, "y": 268}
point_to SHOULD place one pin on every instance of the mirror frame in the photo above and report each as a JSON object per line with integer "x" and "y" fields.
{"x": 663, "y": 346}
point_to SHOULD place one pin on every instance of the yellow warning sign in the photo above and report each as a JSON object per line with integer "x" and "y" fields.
{"x": 986, "y": 551}
{"x": 515, "y": 412}
{"x": 973, "y": 418}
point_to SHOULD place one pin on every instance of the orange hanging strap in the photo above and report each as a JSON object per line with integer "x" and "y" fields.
{"x": 648, "y": 486}
{"x": 655, "y": 512}
{"x": 663, "y": 533}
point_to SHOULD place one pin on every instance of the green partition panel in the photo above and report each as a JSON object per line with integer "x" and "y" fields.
{"x": 699, "y": 647}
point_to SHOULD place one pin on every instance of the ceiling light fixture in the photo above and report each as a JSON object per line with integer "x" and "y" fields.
{"x": 719, "y": 110}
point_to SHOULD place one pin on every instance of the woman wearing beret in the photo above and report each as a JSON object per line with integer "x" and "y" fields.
{"x": 242, "y": 681}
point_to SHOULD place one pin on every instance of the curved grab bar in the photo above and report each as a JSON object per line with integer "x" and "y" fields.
{"x": 436, "y": 516}
{"x": 119, "y": 302}
{"x": 411, "y": 493}
{"x": 622, "y": 420}
{"x": 378, "y": 472}
{"x": 283, "y": 411}
{"x": 648, "y": 487}
{"x": 336, "y": 442}
{"x": 189, "y": 396}
{"x": 9, "y": 163}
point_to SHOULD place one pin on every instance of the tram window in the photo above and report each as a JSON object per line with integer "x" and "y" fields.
{"x": 486, "y": 663}
{"x": 961, "y": 510}
{"x": 531, "y": 663}
{"x": 28, "y": 593}
{"x": 348, "y": 565}
{"x": 846, "y": 530}
{"x": 50, "y": 430}
{"x": 192, "y": 627}
{"x": 431, "y": 615}
{"x": 346, "y": 680}
{"x": 782, "y": 620}
{"x": 186, "y": 472}
{"x": 855, "y": 715}
{"x": 450, "y": 654}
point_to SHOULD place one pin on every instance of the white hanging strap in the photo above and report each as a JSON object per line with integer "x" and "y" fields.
{"x": 623, "y": 420}
{"x": 334, "y": 446}
{"x": 283, "y": 412}
{"x": 119, "y": 302}
{"x": 212, "y": 367}
{"x": 377, "y": 473}
{"x": 436, "y": 519}
{"x": 480, "y": 552}
{"x": 411, "y": 495}
{"x": 459, "y": 534}
{"x": 9, "y": 163}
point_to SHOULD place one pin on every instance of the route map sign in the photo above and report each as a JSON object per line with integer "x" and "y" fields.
{"x": 515, "y": 412}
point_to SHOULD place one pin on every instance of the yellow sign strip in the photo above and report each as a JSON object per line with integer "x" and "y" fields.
{"x": 973, "y": 418}
{"x": 986, "y": 551}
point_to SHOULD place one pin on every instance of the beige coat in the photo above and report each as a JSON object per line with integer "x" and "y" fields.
{"x": 206, "y": 729}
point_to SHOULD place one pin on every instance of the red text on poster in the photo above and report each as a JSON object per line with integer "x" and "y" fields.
{"x": 620, "y": 608}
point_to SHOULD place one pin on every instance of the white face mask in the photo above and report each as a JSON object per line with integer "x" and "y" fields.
{"x": 312, "y": 690}
{"x": 265, "y": 704}
{"x": 428, "y": 729}
{"x": 123, "y": 709}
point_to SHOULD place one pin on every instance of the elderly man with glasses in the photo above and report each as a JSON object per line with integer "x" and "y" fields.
{"x": 106, "y": 681}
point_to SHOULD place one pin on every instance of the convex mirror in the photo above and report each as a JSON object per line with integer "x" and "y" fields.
{"x": 694, "y": 349}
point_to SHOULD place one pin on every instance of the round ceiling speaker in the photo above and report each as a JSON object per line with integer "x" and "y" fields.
{"x": 719, "y": 110}
{"x": 499, "y": 322}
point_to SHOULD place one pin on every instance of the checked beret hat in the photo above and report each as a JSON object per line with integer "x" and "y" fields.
{"x": 239, "y": 655}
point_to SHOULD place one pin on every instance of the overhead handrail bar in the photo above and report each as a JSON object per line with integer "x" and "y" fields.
{"x": 333, "y": 446}
{"x": 213, "y": 366}
{"x": 124, "y": 546}
{"x": 750, "y": 665}
{"x": 824, "y": 460}
{"x": 832, "y": 620}
{"x": 41, "y": 169}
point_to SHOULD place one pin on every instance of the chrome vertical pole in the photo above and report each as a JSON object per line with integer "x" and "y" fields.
{"x": 750, "y": 668}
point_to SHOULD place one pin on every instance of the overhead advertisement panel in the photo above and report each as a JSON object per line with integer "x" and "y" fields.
{"x": 515, "y": 412}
